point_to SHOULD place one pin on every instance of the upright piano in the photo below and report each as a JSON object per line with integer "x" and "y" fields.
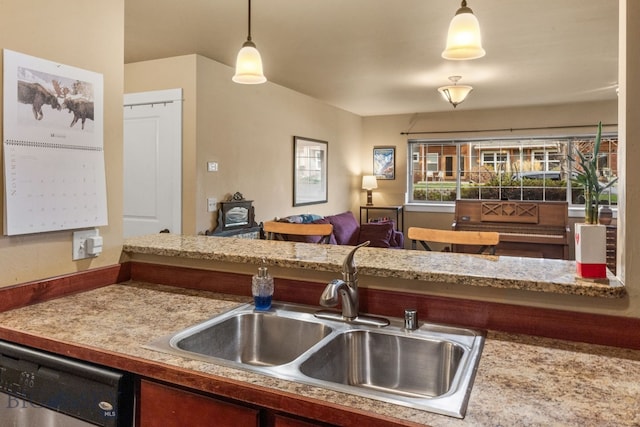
{"x": 527, "y": 228}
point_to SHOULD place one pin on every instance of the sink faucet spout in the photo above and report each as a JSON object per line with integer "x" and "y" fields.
{"x": 349, "y": 269}
{"x": 329, "y": 298}
{"x": 347, "y": 288}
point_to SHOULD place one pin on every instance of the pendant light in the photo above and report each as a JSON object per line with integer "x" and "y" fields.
{"x": 464, "y": 40}
{"x": 455, "y": 93}
{"x": 249, "y": 63}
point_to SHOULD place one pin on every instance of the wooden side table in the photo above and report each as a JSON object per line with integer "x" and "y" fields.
{"x": 396, "y": 211}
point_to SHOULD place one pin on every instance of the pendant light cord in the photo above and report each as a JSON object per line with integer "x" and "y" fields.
{"x": 249, "y": 22}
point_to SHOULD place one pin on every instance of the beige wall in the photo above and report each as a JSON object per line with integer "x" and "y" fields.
{"x": 88, "y": 35}
{"x": 249, "y": 131}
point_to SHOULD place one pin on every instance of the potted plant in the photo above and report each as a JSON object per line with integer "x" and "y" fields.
{"x": 587, "y": 177}
{"x": 591, "y": 237}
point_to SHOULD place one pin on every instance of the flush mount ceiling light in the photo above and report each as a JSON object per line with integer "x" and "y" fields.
{"x": 249, "y": 63}
{"x": 464, "y": 40}
{"x": 455, "y": 93}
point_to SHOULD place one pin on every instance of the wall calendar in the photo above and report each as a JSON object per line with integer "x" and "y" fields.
{"x": 54, "y": 174}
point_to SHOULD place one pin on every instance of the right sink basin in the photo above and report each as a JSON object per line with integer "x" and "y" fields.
{"x": 396, "y": 364}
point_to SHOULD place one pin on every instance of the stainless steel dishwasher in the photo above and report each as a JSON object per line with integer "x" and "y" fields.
{"x": 40, "y": 389}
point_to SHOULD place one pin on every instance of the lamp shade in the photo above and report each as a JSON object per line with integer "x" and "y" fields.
{"x": 455, "y": 94}
{"x": 369, "y": 182}
{"x": 464, "y": 40}
{"x": 249, "y": 65}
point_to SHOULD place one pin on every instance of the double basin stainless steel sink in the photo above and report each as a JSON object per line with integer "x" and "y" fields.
{"x": 431, "y": 368}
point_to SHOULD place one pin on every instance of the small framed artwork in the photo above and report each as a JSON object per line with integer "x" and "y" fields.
{"x": 309, "y": 171}
{"x": 384, "y": 162}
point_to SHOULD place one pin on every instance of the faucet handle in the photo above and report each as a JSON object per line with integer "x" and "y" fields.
{"x": 411, "y": 319}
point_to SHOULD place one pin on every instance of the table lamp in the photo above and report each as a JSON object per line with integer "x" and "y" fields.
{"x": 369, "y": 183}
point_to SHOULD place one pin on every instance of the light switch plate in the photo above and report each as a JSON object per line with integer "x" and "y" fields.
{"x": 80, "y": 243}
{"x": 211, "y": 204}
{"x": 212, "y": 166}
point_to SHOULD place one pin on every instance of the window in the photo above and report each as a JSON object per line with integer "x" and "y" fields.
{"x": 495, "y": 161}
{"x": 428, "y": 166}
{"x": 432, "y": 162}
{"x": 504, "y": 169}
{"x": 547, "y": 159}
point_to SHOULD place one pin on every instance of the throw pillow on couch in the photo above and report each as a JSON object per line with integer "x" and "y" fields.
{"x": 378, "y": 233}
{"x": 348, "y": 231}
{"x": 345, "y": 228}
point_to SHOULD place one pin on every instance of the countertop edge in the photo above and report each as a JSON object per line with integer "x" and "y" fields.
{"x": 531, "y": 274}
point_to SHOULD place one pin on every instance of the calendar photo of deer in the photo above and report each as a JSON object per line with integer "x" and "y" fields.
{"x": 54, "y": 101}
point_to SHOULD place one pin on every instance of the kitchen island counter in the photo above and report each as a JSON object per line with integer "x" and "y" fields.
{"x": 521, "y": 380}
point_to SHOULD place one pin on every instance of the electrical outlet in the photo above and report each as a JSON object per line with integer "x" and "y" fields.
{"x": 81, "y": 249}
{"x": 212, "y": 166}
{"x": 211, "y": 204}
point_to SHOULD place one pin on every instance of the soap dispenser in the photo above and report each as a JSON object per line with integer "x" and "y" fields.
{"x": 262, "y": 289}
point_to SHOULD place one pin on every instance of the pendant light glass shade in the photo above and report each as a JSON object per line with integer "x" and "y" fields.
{"x": 249, "y": 63}
{"x": 455, "y": 93}
{"x": 464, "y": 40}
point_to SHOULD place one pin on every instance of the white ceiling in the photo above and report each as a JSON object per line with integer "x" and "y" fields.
{"x": 378, "y": 57}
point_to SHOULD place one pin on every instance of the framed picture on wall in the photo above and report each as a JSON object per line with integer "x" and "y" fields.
{"x": 384, "y": 162}
{"x": 309, "y": 171}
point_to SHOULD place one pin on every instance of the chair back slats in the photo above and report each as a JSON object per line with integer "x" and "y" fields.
{"x": 487, "y": 240}
{"x": 275, "y": 230}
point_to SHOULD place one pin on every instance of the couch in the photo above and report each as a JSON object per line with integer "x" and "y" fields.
{"x": 348, "y": 231}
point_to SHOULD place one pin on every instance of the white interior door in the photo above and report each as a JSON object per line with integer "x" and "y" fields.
{"x": 152, "y": 162}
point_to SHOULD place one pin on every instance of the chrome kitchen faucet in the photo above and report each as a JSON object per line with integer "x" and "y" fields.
{"x": 348, "y": 290}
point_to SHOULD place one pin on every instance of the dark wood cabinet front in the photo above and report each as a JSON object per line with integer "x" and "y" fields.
{"x": 286, "y": 421}
{"x": 165, "y": 406}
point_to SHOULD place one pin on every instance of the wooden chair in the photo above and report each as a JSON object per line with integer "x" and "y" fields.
{"x": 275, "y": 230}
{"x": 486, "y": 240}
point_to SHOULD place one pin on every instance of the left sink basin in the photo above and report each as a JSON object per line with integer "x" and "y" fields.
{"x": 250, "y": 337}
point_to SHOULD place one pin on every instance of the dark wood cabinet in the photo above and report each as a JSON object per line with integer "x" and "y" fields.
{"x": 161, "y": 405}
{"x": 280, "y": 420}
{"x": 164, "y": 406}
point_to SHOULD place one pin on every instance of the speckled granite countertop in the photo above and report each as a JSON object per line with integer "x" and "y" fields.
{"x": 521, "y": 381}
{"x": 533, "y": 274}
